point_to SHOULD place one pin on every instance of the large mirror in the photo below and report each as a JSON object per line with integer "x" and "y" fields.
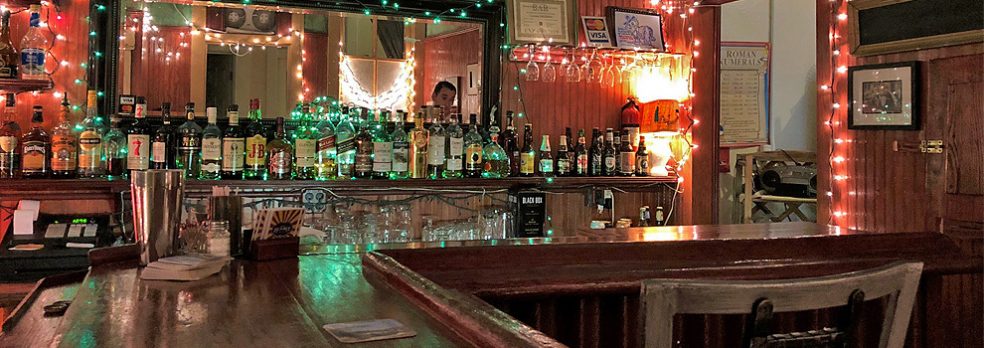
{"x": 214, "y": 53}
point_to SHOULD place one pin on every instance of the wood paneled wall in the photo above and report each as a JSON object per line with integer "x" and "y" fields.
{"x": 315, "y": 64}
{"x": 445, "y": 58}
{"x": 160, "y": 79}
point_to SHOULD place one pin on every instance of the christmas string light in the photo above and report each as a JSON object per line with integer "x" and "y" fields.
{"x": 397, "y": 97}
{"x": 836, "y": 161}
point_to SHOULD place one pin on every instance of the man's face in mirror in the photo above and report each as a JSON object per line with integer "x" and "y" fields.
{"x": 444, "y": 98}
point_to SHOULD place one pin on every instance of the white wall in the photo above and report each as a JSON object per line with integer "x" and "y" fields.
{"x": 790, "y": 27}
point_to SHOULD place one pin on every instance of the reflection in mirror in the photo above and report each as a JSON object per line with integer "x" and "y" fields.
{"x": 219, "y": 54}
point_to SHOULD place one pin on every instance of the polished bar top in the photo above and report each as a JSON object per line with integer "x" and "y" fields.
{"x": 249, "y": 304}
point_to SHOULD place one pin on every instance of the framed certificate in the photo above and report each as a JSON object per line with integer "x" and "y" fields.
{"x": 542, "y": 21}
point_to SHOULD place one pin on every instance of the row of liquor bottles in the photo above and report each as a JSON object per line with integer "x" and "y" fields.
{"x": 348, "y": 143}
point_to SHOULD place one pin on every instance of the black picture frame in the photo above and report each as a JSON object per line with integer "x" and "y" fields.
{"x": 612, "y": 11}
{"x": 857, "y": 118}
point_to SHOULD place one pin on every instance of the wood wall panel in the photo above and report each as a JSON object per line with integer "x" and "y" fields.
{"x": 315, "y": 65}
{"x": 162, "y": 80}
{"x": 446, "y": 57}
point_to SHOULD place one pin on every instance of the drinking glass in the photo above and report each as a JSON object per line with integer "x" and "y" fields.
{"x": 611, "y": 74}
{"x": 549, "y": 72}
{"x": 572, "y": 73}
{"x": 532, "y": 69}
{"x": 586, "y": 74}
{"x": 597, "y": 67}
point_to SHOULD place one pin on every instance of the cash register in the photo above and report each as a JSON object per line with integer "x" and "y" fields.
{"x": 60, "y": 243}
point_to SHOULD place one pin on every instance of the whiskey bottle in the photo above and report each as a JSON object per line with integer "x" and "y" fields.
{"x": 138, "y": 139}
{"x": 401, "y": 149}
{"x": 256, "y": 142}
{"x": 8, "y": 54}
{"x": 510, "y": 143}
{"x": 34, "y": 47}
{"x": 233, "y": 146}
{"x": 436, "y": 146}
{"x": 610, "y": 154}
{"x": 211, "y": 147}
{"x": 91, "y": 157}
{"x": 164, "y": 146}
{"x": 546, "y": 157}
{"x": 10, "y": 134}
{"x": 418, "y": 149}
{"x": 581, "y": 162}
{"x": 190, "y": 144}
{"x": 563, "y": 159}
{"x": 382, "y": 147}
{"x": 37, "y": 144}
{"x": 363, "y": 148}
{"x": 327, "y": 154}
{"x": 642, "y": 158}
{"x": 114, "y": 147}
{"x": 64, "y": 145}
{"x": 456, "y": 148}
{"x": 305, "y": 144}
{"x": 627, "y": 157}
{"x": 527, "y": 156}
{"x": 280, "y": 154}
{"x": 345, "y": 131}
{"x": 473, "y": 150}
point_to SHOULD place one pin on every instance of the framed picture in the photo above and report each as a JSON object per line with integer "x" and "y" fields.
{"x": 883, "y": 96}
{"x": 596, "y": 31}
{"x": 542, "y": 21}
{"x": 873, "y": 30}
{"x": 632, "y": 28}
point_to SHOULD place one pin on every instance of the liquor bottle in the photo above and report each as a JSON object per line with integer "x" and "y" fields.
{"x": 345, "y": 131}
{"x": 510, "y": 143}
{"x": 456, "y": 148}
{"x": 617, "y": 143}
{"x": 64, "y": 146}
{"x": 233, "y": 146}
{"x": 114, "y": 147}
{"x": 571, "y": 156}
{"x": 581, "y": 158}
{"x": 382, "y": 147}
{"x": 138, "y": 139}
{"x": 642, "y": 158}
{"x": 91, "y": 157}
{"x": 610, "y": 155}
{"x": 279, "y": 154}
{"x": 597, "y": 153}
{"x": 363, "y": 148}
{"x": 627, "y": 157}
{"x": 436, "y": 146}
{"x": 546, "y": 157}
{"x": 494, "y": 157}
{"x": 563, "y": 159}
{"x": 33, "y": 48}
{"x": 305, "y": 145}
{"x": 211, "y": 147}
{"x": 10, "y": 134}
{"x": 527, "y": 157}
{"x": 37, "y": 144}
{"x": 418, "y": 149}
{"x": 8, "y": 54}
{"x": 401, "y": 149}
{"x": 327, "y": 152}
{"x": 256, "y": 142}
{"x": 473, "y": 150}
{"x": 190, "y": 144}
{"x": 164, "y": 146}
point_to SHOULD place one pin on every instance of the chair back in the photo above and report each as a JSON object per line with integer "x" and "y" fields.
{"x": 662, "y": 299}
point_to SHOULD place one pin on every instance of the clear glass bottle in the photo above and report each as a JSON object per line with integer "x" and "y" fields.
{"x": 164, "y": 145}
{"x": 34, "y": 48}
{"x": 211, "y": 147}
{"x": 91, "y": 158}
{"x": 473, "y": 150}
{"x": 218, "y": 239}
{"x": 305, "y": 139}
{"x": 280, "y": 154}
{"x": 494, "y": 157}
{"x": 138, "y": 139}
{"x": 327, "y": 150}
{"x": 35, "y": 162}
{"x": 10, "y": 145}
{"x": 64, "y": 145}
{"x": 190, "y": 144}
{"x": 114, "y": 147}
{"x": 345, "y": 132}
{"x": 233, "y": 146}
{"x": 256, "y": 142}
{"x": 382, "y": 147}
{"x": 418, "y": 149}
{"x": 456, "y": 148}
{"x": 436, "y": 146}
{"x": 401, "y": 149}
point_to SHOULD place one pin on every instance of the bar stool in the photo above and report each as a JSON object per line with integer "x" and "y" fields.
{"x": 661, "y": 299}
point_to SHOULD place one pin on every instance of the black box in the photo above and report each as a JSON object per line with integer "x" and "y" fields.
{"x": 529, "y": 211}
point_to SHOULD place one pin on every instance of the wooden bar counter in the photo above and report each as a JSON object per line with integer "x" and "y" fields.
{"x": 578, "y": 291}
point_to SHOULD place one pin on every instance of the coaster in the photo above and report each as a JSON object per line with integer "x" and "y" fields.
{"x": 369, "y": 330}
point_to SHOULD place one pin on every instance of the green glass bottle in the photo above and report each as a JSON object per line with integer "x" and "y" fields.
{"x": 305, "y": 139}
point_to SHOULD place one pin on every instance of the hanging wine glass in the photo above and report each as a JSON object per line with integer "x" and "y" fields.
{"x": 549, "y": 72}
{"x": 597, "y": 67}
{"x": 611, "y": 74}
{"x": 532, "y": 69}
{"x": 586, "y": 74}
{"x": 626, "y": 69}
{"x": 572, "y": 73}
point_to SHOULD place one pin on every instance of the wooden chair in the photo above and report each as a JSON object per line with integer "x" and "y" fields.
{"x": 663, "y": 298}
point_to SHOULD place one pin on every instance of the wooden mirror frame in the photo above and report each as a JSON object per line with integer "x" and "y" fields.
{"x": 103, "y": 76}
